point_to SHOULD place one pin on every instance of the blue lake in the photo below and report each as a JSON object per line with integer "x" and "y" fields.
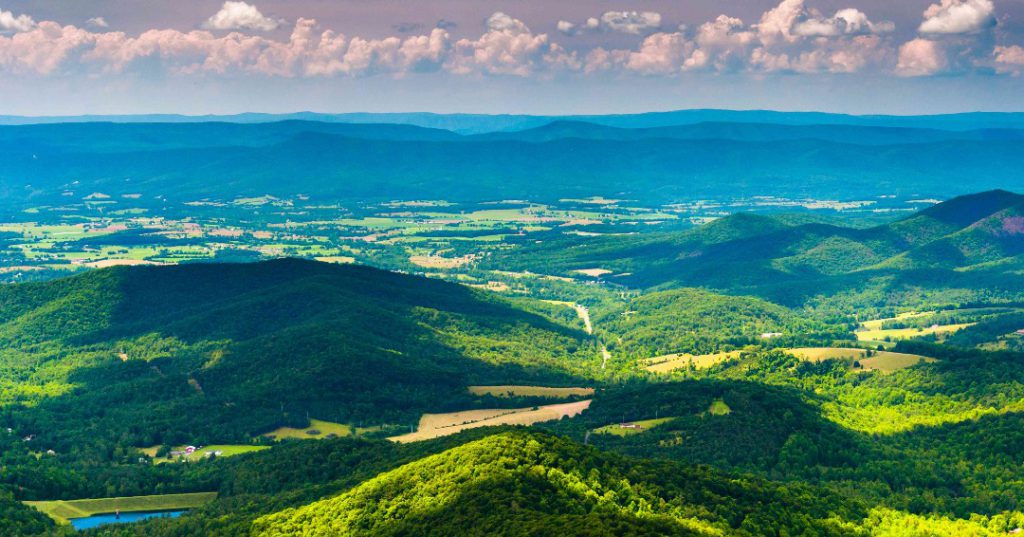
{"x": 97, "y": 520}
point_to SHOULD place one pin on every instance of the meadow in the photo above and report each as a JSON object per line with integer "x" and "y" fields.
{"x": 63, "y": 510}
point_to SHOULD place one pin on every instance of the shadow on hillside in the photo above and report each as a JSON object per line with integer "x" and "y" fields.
{"x": 252, "y": 347}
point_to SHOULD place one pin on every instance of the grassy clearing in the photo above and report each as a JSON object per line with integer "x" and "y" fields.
{"x": 218, "y": 450}
{"x": 883, "y": 361}
{"x": 631, "y": 428}
{"x": 876, "y": 324}
{"x": 437, "y": 425}
{"x": 672, "y": 362}
{"x": 438, "y": 262}
{"x": 907, "y": 333}
{"x": 529, "y": 391}
{"x": 719, "y": 408}
{"x": 316, "y": 429}
{"x": 593, "y": 272}
{"x": 62, "y": 510}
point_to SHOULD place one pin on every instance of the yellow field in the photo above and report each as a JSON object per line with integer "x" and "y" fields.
{"x": 876, "y": 324}
{"x": 672, "y": 362}
{"x": 884, "y": 361}
{"x": 340, "y": 259}
{"x": 322, "y": 428}
{"x": 62, "y": 510}
{"x": 631, "y": 428}
{"x": 436, "y": 261}
{"x": 593, "y": 272}
{"x": 818, "y": 354}
{"x": 906, "y": 333}
{"x": 437, "y": 425}
{"x": 528, "y": 391}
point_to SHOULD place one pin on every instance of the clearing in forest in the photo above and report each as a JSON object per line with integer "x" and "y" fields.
{"x": 671, "y": 362}
{"x": 437, "y": 425}
{"x": 884, "y": 361}
{"x": 593, "y": 272}
{"x": 529, "y": 391}
{"x": 632, "y": 427}
{"x": 62, "y": 510}
{"x": 907, "y": 333}
{"x": 316, "y": 429}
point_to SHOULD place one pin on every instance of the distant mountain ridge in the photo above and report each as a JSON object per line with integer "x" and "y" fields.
{"x": 484, "y": 123}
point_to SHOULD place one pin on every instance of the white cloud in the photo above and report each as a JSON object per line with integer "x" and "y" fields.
{"x": 847, "y": 21}
{"x": 98, "y": 22}
{"x": 1009, "y": 59}
{"x": 627, "y": 22}
{"x": 508, "y": 47}
{"x": 10, "y": 23}
{"x": 921, "y": 57}
{"x": 631, "y": 22}
{"x": 958, "y": 17}
{"x": 240, "y": 16}
{"x": 660, "y": 53}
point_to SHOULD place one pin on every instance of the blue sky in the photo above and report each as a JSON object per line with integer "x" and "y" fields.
{"x": 522, "y": 56}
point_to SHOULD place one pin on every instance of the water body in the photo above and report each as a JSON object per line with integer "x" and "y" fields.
{"x": 97, "y": 520}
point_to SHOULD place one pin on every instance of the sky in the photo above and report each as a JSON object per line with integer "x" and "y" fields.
{"x": 61, "y": 57}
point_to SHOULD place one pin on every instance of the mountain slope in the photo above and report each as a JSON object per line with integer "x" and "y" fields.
{"x": 523, "y": 483}
{"x": 223, "y": 352}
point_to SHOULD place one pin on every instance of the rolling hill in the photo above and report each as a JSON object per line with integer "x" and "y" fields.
{"x": 217, "y": 353}
{"x": 968, "y": 247}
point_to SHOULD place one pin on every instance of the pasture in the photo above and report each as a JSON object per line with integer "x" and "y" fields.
{"x": 316, "y": 429}
{"x": 719, "y": 408}
{"x": 217, "y": 450}
{"x": 62, "y": 510}
{"x": 633, "y": 427}
{"x": 882, "y": 361}
{"x": 437, "y": 425}
{"x": 672, "y": 362}
{"x": 529, "y": 391}
{"x": 907, "y": 333}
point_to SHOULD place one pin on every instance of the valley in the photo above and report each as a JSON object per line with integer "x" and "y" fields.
{"x": 259, "y": 361}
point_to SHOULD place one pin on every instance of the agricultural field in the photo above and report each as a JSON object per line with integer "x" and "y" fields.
{"x": 869, "y": 360}
{"x": 63, "y": 510}
{"x": 672, "y": 362}
{"x": 319, "y": 429}
{"x": 216, "y": 450}
{"x": 894, "y": 334}
{"x": 633, "y": 427}
{"x": 438, "y": 425}
{"x": 530, "y": 391}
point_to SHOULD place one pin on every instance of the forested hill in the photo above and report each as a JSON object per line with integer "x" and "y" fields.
{"x": 220, "y": 352}
{"x": 969, "y": 246}
{"x": 523, "y": 483}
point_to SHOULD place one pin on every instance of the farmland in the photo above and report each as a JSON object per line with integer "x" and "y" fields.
{"x": 631, "y": 428}
{"x": 672, "y": 362}
{"x": 63, "y": 510}
{"x": 204, "y": 452}
{"x": 869, "y": 360}
{"x": 529, "y": 391}
{"x": 437, "y": 425}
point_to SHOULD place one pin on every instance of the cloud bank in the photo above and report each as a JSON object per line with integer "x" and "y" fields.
{"x": 788, "y": 38}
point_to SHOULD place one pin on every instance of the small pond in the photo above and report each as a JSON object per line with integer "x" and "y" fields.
{"x": 111, "y": 518}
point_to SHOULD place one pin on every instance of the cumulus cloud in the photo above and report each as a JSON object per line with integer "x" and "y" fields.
{"x": 240, "y": 16}
{"x": 98, "y": 22}
{"x": 1009, "y": 59}
{"x": 508, "y": 47}
{"x": 845, "y": 22}
{"x": 958, "y": 17}
{"x": 627, "y": 22}
{"x": 921, "y": 57}
{"x": 11, "y": 23}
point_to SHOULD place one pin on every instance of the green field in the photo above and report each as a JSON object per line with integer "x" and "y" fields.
{"x": 62, "y": 510}
{"x": 220, "y": 450}
{"x": 633, "y": 427}
{"x": 316, "y": 429}
{"x": 719, "y": 408}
